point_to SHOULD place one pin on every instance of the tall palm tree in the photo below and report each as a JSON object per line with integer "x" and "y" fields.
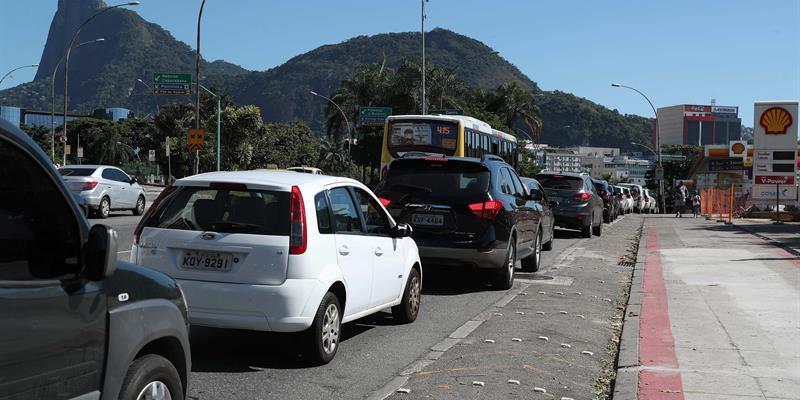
{"x": 105, "y": 144}
{"x": 513, "y": 103}
{"x": 333, "y": 155}
{"x": 366, "y": 86}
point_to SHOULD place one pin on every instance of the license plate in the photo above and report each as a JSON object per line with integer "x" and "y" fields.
{"x": 206, "y": 261}
{"x": 427, "y": 219}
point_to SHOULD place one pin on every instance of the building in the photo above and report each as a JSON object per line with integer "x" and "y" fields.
{"x": 17, "y": 116}
{"x": 596, "y": 151}
{"x": 560, "y": 160}
{"x": 598, "y": 166}
{"x": 632, "y": 168}
{"x": 699, "y": 124}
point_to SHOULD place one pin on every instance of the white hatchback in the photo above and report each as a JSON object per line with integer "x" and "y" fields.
{"x": 281, "y": 251}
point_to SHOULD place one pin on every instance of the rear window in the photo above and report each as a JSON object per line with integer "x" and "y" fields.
{"x": 430, "y": 136}
{"x": 599, "y": 186}
{"x": 440, "y": 180}
{"x": 76, "y": 171}
{"x": 258, "y": 212}
{"x": 560, "y": 182}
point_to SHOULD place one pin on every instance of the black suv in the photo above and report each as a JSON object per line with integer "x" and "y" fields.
{"x": 75, "y": 322}
{"x": 466, "y": 212}
{"x": 610, "y": 205}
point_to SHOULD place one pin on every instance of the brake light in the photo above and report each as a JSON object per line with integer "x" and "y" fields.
{"x": 437, "y": 159}
{"x": 646, "y": 199}
{"x": 89, "y": 185}
{"x": 153, "y": 208}
{"x": 384, "y": 202}
{"x": 629, "y": 196}
{"x": 583, "y": 196}
{"x": 298, "y": 237}
{"x": 487, "y": 209}
{"x": 606, "y": 195}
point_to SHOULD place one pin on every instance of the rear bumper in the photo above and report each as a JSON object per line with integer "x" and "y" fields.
{"x": 495, "y": 258}
{"x": 289, "y": 307}
{"x": 575, "y": 218}
{"x": 91, "y": 197}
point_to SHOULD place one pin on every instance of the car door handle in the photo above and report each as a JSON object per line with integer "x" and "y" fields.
{"x": 344, "y": 250}
{"x": 378, "y": 251}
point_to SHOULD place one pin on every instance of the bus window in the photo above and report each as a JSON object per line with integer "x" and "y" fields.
{"x": 495, "y": 146}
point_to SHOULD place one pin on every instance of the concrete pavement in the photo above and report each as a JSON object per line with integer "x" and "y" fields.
{"x": 714, "y": 313}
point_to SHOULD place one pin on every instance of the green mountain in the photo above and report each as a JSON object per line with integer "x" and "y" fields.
{"x": 105, "y": 75}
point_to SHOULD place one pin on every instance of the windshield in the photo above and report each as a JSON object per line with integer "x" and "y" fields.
{"x": 436, "y": 180}
{"x": 76, "y": 171}
{"x": 260, "y": 212}
{"x": 428, "y": 136}
{"x": 560, "y": 182}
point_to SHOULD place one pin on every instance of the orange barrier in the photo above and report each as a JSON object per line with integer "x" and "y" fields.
{"x": 722, "y": 203}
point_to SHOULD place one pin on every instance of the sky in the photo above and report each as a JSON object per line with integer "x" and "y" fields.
{"x": 677, "y": 51}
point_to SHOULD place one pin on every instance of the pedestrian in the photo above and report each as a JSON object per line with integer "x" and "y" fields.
{"x": 677, "y": 202}
{"x": 696, "y": 204}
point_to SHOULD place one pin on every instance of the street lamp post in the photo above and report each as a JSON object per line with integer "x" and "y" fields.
{"x": 53, "y": 108}
{"x": 197, "y": 78}
{"x": 155, "y": 96}
{"x": 422, "y": 30}
{"x": 12, "y": 71}
{"x": 658, "y": 144}
{"x": 136, "y": 153}
{"x": 69, "y": 52}
{"x": 346, "y": 121}
{"x": 219, "y": 116}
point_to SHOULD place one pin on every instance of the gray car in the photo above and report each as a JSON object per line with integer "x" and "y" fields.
{"x": 104, "y": 188}
{"x": 579, "y": 204}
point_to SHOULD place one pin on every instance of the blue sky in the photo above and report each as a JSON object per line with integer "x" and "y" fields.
{"x": 677, "y": 51}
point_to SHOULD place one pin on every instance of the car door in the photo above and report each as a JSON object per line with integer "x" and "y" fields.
{"x": 353, "y": 251}
{"x": 130, "y": 191}
{"x": 388, "y": 257}
{"x": 525, "y": 214}
{"x": 548, "y": 220}
{"x": 113, "y": 188}
{"x": 52, "y": 321}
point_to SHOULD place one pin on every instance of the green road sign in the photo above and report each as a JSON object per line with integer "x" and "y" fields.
{"x": 448, "y": 111}
{"x": 375, "y": 112}
{"x": 161, "y": 77}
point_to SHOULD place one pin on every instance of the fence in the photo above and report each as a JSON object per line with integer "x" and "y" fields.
{"x": 723, "y": 203}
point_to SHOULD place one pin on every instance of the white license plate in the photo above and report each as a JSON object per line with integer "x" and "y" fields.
{"x": 206, "y": 261}
{"x": 427, "y": 219}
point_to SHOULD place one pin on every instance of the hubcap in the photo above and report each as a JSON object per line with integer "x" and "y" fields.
{"x": 104, "y": 207}
{"x": 156, "y": 390}
{"x": 413, "y": 294}
{"x": 330, "y": 329}
{"x": 538, "y": 248}
{"x": 140, "y": 204}
{"x": 511, "y": 262}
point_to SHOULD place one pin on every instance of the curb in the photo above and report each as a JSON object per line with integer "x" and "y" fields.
{"x": 768, "y": 239}
{"x": 626, "y": 384}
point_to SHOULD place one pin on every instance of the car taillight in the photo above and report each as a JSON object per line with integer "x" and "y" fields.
{"x": 606, "y": 196}
{"x": 629, "y": 196}
{"x": 89, "y": 185}
{"x": 153, "y": 207}
{"x": 384, "y": 202}
{"x": 297, "y": 221}
{"x": 583, "y": 196}
{"x": 646, "y": 199}
{"x": 487, "y": 209}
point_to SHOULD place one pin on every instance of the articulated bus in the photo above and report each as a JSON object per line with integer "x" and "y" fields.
{"x": 449, "y": 135}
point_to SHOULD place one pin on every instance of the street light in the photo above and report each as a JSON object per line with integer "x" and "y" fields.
{"x": 346, "y": 121}
{"x": 658, "y": 142}
{"x": 197, "y": 78}
{"x": 136, "y": 153}
{"x": 646, "y": 147}
{"x": 219, "y": 116}
{"x": 155, "y": 96}
{"x": 66, "y": 63}
{"x": 24, "y": 66}
{"x": 53, "y": 98}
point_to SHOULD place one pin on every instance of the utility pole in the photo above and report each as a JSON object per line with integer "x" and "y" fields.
{"x": 424, "y": 99}
{"x": 197, "y": 77}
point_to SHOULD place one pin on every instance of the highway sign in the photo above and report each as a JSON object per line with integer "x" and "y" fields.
{"x": 373, "y": 116}
{"x": 197, "y": 138}
{"x": 172, "y": 84}
{"x": 161, "y": 77}
{"x": 151, "y": 155}
{"x": 448, "y": 111}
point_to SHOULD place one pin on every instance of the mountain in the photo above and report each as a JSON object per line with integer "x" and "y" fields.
{"x": 105, "y": 75}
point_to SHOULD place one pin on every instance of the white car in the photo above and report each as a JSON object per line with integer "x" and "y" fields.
{"x": 637, "y": 193}
{"x": 104, "y": 188}
{"x": 283, "y": 252}
{"x": 626, "y": 200}
{"x": 651, "y": 202}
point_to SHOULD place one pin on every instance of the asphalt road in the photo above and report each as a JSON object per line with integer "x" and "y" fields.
{"x": 256, "y": 365}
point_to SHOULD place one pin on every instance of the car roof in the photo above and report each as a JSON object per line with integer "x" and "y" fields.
{"x": 571, "y": 174}
{"x": 88, "y": 166}
{"x": 423, "y": 157}
{"x": 265, "y": 178}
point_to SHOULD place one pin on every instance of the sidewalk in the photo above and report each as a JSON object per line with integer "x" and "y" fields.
{"x": 786, "y": 235}
{"x": 714, "y": 313}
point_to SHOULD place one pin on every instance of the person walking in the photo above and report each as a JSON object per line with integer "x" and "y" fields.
{"x": 679, "y": 198}
{"x": 696, "y": 204}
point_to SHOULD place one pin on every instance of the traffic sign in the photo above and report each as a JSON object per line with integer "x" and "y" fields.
{"x": 197, "y": 138}
{"x": 68, "y": 149}
{"x": 172, "y": 84}
{"x": 448, "y": 111}
{"x": 151, "y": 155}
{"x": 373, "y": 116}
{"x": 62, "y": 139}
{"x": 161, "y": 77}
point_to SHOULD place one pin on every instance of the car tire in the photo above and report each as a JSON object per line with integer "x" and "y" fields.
{"x": 607, "y": 217}
{"x": 598, "y": 230}
{"x": 104, "y": 208}
{"x": 151, "y": 373}
{"x": 549, "y": 245}
{"x": 504, "y": 279}
{"x": 139, "y": 209}
{"x": 406, "y": 312}
{"x": 325, "y": 332}
{"x": 531, "y": 262}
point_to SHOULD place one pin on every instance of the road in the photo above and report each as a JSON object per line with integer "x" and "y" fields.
{"x": 254, "y": 365}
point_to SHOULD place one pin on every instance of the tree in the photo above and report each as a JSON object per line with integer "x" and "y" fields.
{"x": 514, "y": 104}
{"x": 526, "y": 160}
{"x": 333, "y": 156}
{"x": 286, "y": 145}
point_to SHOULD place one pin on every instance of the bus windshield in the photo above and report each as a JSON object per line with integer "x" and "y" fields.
{"x": 430, "y": 136}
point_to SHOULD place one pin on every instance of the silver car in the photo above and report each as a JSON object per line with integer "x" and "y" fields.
{"x": 104, "y": 188}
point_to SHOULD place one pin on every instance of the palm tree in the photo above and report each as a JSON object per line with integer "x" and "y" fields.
{"x": 367, "y": 86}
{"x": 512, "y": 103}
{"x": 333, "y": 155}
{"x": 105, "y": 144}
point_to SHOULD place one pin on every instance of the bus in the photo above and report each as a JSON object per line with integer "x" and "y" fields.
{"x": 448, "y": 135}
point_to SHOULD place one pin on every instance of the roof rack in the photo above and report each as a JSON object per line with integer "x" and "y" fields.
{"x": 487, "y": 157}
{"x": 422, "y": 154}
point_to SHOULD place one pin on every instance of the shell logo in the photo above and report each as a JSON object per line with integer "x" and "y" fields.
{"x": 776, "y": 121}
{"x": 738, "y": 148}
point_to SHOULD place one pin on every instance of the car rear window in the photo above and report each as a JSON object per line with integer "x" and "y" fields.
{"x": 439, "y": 180}
{"x": 76, "y": 171}
{"x": 258, "y": 212}
{"x": 560, "y": 182}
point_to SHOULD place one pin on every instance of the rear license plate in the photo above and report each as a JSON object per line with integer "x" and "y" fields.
{"x": 427, "y": 219}
{"x": 206, "y": 261}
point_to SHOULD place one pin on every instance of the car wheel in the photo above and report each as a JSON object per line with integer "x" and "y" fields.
{"x": 598, "y": 230}
{"x": 504, "y": 278}
{"x": 607, "y": 217}
{"x": 408, "y": 309}
{"x": 151, "y": 377}
{"x": 105, "y": 208}
{"x": 531, "y": 263}
{"x": 326, "y": 330}
{"x": 139, "y": 209}
{"x": 549, "y": 245}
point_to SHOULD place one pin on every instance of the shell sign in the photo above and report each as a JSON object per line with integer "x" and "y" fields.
{"x": 775, "y": 120}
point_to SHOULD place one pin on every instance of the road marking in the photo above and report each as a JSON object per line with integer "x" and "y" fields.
{"x": 123, "y": 251}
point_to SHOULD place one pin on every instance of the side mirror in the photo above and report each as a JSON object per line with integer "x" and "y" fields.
{"x": 554, "y": 204}
{"x": 133, "y": 180}
{"x": 402, "y": 230}
{"x": 101, "y": 253}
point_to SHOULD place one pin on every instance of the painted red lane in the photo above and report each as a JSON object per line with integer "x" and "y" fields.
{"x": 656, "y": 344}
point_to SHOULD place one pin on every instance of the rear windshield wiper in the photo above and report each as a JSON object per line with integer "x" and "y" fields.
{"x": 226, "y": 226}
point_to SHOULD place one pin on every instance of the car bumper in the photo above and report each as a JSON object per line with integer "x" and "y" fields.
{"x": 493, "y": 258}
{"x": 576, "y": 218}
{"x": 289, "y": 307}
{"x": 90, "y": 198}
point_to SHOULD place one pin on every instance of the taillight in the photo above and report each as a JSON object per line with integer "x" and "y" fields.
{"x": 629, "y": 196}
{"x": 646, "y": 199}
{"x": 297, "y": 220}
{"x": 606, "y": 195}
{"x": 89, "y": 185}
{"x": 487, "y": 209}
{"x": 153, "y": 208}
{"x": 583, "y": 196}
{"x": 384, "y": 202}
